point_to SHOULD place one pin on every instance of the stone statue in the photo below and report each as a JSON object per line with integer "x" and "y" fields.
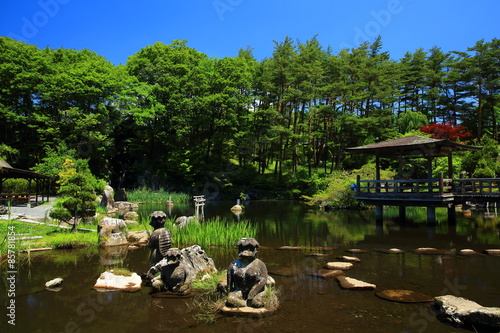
{"x": 159, "y": 242}
{"x": 174, "y": 272}
{"x": 246, "y": 276}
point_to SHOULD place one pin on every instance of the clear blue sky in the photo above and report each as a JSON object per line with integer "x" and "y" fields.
{"x": 219, "y": 28}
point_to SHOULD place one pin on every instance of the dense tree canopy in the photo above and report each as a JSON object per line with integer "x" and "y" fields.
{"x": 176, "y": 118}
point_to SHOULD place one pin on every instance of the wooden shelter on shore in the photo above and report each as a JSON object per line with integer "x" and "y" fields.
{"x": 41, "y": 188}
{"x": 430, "y": 192}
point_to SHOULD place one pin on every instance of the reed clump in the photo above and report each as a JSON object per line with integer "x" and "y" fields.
{"x": 147, "y": 195}
{"x": 214, "y": 232}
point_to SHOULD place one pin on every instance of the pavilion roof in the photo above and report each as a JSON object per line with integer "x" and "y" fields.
{"x": 412, "y": 146}
{"x": 7, "y": 171}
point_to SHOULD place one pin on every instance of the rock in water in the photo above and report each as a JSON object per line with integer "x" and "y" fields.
{"x": 404, "y": 296}
{"x": 339, "y": 265}
{"x": 464, "y": 312}
{"x": 138, "y": 237}
{"x": 54, "y": 283}
{"x": 197, "y": 261}
{"x": 353, "y": 284}
{"x": 111, "y": 281}
{"x": 350, "y": 259}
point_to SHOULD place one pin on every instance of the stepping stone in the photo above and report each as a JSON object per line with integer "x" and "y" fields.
{"x": 317, "y": 255}
{"x": 493, "y": 252}
{"x": 312, "y": 248}
{"x": 357, "y": 251}
{"x": 468, "y": 252}
{"x": 350, "y": 259}
{"x": 327, "y": 273}
{"x": 404, "y": 296}
{"x": 354, "y": 284}
{"x": 431, "y": 250}
{"x": 390, "y": 251}
{"x": 339, "y": 265}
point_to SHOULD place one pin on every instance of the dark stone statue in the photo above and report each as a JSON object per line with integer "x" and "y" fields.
{"x": 159, "y": 242}
{"x": 174, "y": 272}
{"x": 246, "y": 276}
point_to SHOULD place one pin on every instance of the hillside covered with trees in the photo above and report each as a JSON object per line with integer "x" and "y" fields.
{"x": 175, "y": 118}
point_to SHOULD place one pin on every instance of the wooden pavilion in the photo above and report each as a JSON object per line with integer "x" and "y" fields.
{"x": 41, "y": 188}
{"x": 429, "y": 192}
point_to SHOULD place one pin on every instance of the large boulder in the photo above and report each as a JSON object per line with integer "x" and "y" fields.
{"x": 110, "y": 232}
{"x": 182, "y": 221}
{"x": 464, "y": 312}
{"x": 138, "y": 237}
{"x": 107, "y": 200}
{"x": 197, "y": 261}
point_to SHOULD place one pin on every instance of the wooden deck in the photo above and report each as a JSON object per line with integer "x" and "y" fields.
{"x": 418, "y": 192}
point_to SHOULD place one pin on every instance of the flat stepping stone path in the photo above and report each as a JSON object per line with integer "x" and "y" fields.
{"x": 339, "y": 265}
{"x": 390, "y": 251}
{"x": 246, "y": 311}
{"x": 354, "y": 284}
{"x": 350, "y": 259}
{"x": 404, "y": 296}
{"x": 327, "y": 273}
{"x": 313, "y": 248}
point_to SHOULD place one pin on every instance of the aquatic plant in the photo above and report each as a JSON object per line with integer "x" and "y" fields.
{"x": 218, "y": 232}
{"x": 146, "y": 195}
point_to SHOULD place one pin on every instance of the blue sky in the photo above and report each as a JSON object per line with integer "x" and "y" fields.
{"x": 219, "y": 28}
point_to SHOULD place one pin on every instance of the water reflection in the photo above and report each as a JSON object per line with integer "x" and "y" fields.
{"x": 309, "y": 303}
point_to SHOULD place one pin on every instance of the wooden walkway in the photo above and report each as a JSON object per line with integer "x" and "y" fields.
{"x": 422, "y": 192}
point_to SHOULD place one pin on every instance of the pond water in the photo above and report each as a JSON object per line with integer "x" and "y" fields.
{"x": 308, "y": 303}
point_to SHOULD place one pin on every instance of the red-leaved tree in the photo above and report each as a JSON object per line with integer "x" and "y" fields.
{"x": 446, "y": 131}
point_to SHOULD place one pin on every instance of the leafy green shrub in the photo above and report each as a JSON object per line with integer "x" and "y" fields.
{"x": 15, "y": 185}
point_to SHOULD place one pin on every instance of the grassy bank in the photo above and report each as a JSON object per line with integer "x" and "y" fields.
{"x": 17, "y": 233}
{"x": 213, "y": 232}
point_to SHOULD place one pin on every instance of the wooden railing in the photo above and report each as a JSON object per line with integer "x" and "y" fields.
{"x": 477, "y": 186}
{"x": 15, "y": 197}
{"x": 430, "y": 187}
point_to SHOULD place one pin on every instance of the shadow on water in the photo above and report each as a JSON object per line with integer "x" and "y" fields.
{"x": 309, "y": 304}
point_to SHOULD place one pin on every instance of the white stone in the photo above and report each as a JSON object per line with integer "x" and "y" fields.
{"x": 54, "y": 283}
{"x": 350, "y": 283}
{"x": 339, "y": 265}
{"x": 108, "y": 280}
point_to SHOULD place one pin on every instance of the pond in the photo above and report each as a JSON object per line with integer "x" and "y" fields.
{"x": 308, "y": 303}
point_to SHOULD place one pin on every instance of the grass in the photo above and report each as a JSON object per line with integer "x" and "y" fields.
{"x": 146, "y": 195}
{"x": 217, "y": 232}
{"x": 53, "y": 237}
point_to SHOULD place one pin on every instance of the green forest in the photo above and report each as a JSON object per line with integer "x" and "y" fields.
{"x": 177, "y": 119}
